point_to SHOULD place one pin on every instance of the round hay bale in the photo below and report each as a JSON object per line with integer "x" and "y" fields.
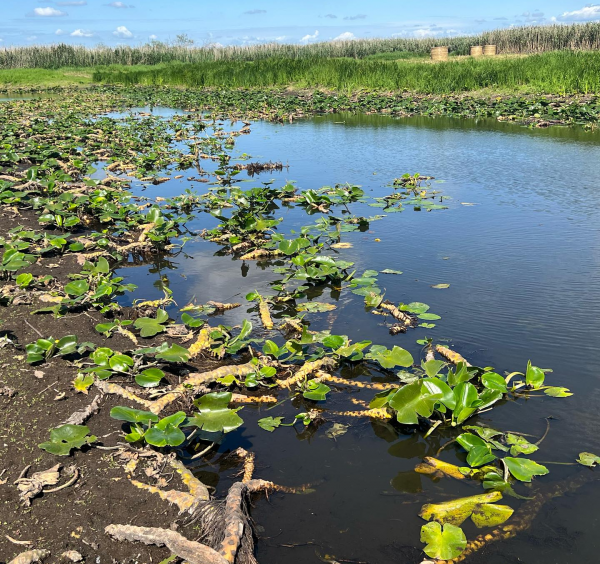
{"x": 439, "y": 53}
{"x": 476, "y": 51}
{"x": 490, "y": 50}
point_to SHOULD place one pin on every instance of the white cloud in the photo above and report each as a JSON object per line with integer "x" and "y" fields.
{"x": 73, "y": 3}
{"x": 48, "y": 12}
{"x": 82, "y": 33}
{"x": 120, "y": 5}
{"x": 346, "y": 36}
{"x": 425, "y": 32}
{"x": 307, "y": 38}
{"x": 153, "y": 37}
{"x": 587, "y": 13}
{"x": 60, "y": 32}
{"x": 123, "y": 32}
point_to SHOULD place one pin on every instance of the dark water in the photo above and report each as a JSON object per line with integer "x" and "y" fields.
{"x": 523, "y": 268}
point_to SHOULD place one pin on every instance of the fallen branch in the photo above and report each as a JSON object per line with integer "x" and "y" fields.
{"x": 80, "y": 417}
{"x": 406, "y": 319}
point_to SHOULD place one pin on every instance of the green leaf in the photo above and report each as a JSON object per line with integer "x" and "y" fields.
{"x": 494, "y": 381}
{"x": 519, "y": 445}
{"x": 466, "y": 395}
{"x": 414, "y": 307}
{"x": 120, "y": 363}
{"x": 479, "y": 456}
{"x": 443, "y": 544}
{"x": 270, "y": 423}
{"x": 149, "y": 378}
{"x": 524, "y": 470}
{"x": 390, "y": 359}
{"x": 77, "y": 288}
{"x": 490, "y": 515}
{"x": 67, "y": 437}
{"x": 534, "y": 376}
{"x": 334, "y": 341}
{"x": 316, "y": 391}
{"x": 175, "y": 353}
{"x": 437, "y": 386}
{"x": 557, "y": 392}
{"x": 315, "y": 307}
{"x": 432, "y": 367}
{"x": 389, "y": 271}
{"x": 469, "y": 441}
{"x": 441, "y": 286}
{"x": 413, "y": 400}
{"x": 166, "y": 432}
{"x": 215, "y": 415}
{"x": 588, "y": 459}
{"x": 131, "y": 415}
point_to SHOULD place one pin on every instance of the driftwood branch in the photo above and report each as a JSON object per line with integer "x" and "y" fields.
{"x": 80, "y": 417}
{"x": 192, "y": 552}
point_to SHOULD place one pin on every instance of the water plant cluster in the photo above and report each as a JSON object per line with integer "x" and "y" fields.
{"x": 182, "y": 381}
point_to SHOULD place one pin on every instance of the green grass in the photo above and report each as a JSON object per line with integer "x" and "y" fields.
{"x": 564, "y": 72}
{"x": 45, "y": 77}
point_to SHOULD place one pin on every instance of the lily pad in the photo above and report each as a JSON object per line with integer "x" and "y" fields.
{"x": 443, "y": 543}
{"x": 67, "y": 437}
{"x": 524, "y": 470}
{"x": 215, "y": 415}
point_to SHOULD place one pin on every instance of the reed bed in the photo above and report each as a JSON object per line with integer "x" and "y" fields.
{"x": 562, "y": 72}
{"x": 519, "y": 40}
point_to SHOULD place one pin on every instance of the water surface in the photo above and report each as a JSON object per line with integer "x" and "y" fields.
{"x": 520, "y": 248}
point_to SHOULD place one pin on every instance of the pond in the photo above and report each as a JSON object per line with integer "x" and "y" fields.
{"x": 519, "y": 246}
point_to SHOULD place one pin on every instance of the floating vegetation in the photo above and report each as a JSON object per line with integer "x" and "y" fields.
{"x": 68, "y": 171}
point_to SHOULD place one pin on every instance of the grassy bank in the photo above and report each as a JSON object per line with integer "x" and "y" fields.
{"x": 520, "y": 40}
{"x": 45, "y": 77}
{"x": 552, "y": 73}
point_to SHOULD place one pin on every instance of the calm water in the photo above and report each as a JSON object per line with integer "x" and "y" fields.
{"x": 523, "y": 268}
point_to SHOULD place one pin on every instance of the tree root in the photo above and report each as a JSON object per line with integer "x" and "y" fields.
{"x": 324, "y": 377}
{"x": 80, "y": 417}
{"x": 30, "y": 556}
{"x": 451, "y": 355}
{"x": 202, "y": 343}
{"x": 265, "y": 315}
{"x": 199, "y": 379}
{"x": 260, "y": 254}
{"x": 193, "y": 552}
{"x": 406, "y": 319}
{"x": 306, "y": 369}
{"x": 223, "y": 307}
{"x": 373, "y": 413}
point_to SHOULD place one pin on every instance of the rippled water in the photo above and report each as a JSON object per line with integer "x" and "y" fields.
{"x": 522, "y": 260}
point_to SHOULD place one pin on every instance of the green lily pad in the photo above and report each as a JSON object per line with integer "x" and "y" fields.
{"x": 443, "y": 543}
{"x": 524, "y": 470}
{"x": 67, "y": 437}
{"x": 215, "y": 415}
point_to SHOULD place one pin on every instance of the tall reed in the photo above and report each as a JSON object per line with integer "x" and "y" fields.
{"x": 521, "y": 40}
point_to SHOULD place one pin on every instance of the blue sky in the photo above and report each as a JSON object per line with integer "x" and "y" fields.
{"x": 255, "y": 21}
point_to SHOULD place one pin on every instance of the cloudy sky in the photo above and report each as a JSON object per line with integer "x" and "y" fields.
{"x": 248, "y": 22}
